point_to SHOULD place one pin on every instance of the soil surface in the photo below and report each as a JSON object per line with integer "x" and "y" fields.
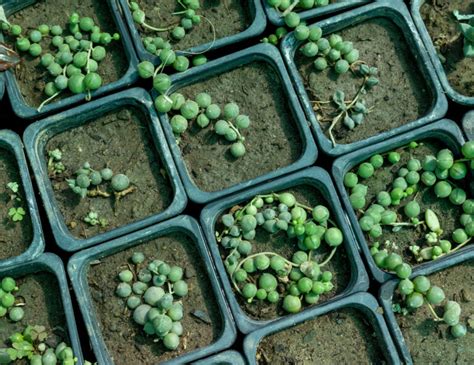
{"x": 341, "y": 337}
{"x": 15, "y": 237}
{"x": 228, "y": 17}
{"x": 43, "y": 307}
{"x": 126, "y": 341}
{"x": 31, "y": 76}
{"x": 402, "y": 95}
{"x": 279, "y": 243}
{"x": 121, "y": 141}
{"x": 431, "y": 342}
{"x": 447, "y": 213}
{"x": 272, "y": 141}
{"x": 443, "y": 28}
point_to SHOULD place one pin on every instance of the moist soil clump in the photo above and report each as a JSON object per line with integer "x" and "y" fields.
{"x": 121, "y": 141}
{"x": 126, "y": 341}
{"x": 402, "y": 95}
{"x": 443, "y": 28}
{"x": 15, "y": 237}
{"x": 431, "y": 342}
{"x": 228, "y": 17}
{"x": 282, "y": 245}
{"x": 272, "y": 141}
{"x": 341, "y": 337}
{"x": 31, "y": 76}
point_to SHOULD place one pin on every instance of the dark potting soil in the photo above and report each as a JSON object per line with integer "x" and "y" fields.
{"x": 447, "y": 213}
{"x": 279, "y": 243}
{"x": 228, "y": 17}
{"x": 447, "y": 38}
{"x": 401, "y": 96}
{"x": 272, "y": 141}
{"x": 121, "y": 141}
{"x": 43, "y": 307}
{"x": 431, "y": 342}
{"x": 126, "y": 341}
{"x": 15, "y": 237}
{"x": 31, "y": 76}
{"x": 341, "y": 337}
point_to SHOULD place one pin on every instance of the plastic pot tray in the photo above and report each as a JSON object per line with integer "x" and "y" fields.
{"x": 276, "y": 19}
{"x": 259, "y": 22}
{"x": 270, "y": 55}
{"x": 315, "y": 177}
{"x": 398, "y": 13}
{"x": 425, "y": 36}
{"x": 79, "y": 264}
{"x": 51, "y": 263}
{"x": 11, "y": 142}
{"x": 446, "y": 131}
{"x": 37, "y": 135}
{"x": 26, "y": 111}
{"x": 363, "y": 302}
{"x": 386, "y": 297}
{"x": 230, "y": 357}
{"x": 468, "y": 125}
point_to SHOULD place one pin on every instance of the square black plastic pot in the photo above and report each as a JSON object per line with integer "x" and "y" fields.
{"x": 270, "y": 55}
{"x": 230, "y": 357}
{"x": 386, "y": 298}
{"x": 78, "y": 267}
{"x": 26, "y": 111}
{"x": 259, "y": 22}
{"x": 446, "y": 131}
{"x": 11, "y": 142}
{"x": 52, "y": 264}
{"x": 37, "y": 135}
{"x": 276, "y": 19}
{"x": 363, "y": 302}
{"x": 468, "y": 125}
{"x": 320, "y": 180}
{"x": 398, "y": 13}
{"x": 428, "y": 43}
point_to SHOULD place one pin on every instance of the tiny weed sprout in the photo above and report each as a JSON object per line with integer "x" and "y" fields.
{"x": 93, "y": 219}
{"x": 271, "y": 277}
{"x": 71, "y": 57}
{"x": 33, "y": 344}
{"x": 16, "y": 213}
{"x": 153, "y": 291}
{"x": 466, "y": 25}
{"x": 55, "y": 166}
{"x": 401, "y": 207}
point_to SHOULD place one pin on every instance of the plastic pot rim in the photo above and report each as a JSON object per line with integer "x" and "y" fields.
{"x": 11, "y": 142}
{"x": 398, "y": 14}
{"x": 262, "y": 52}
{"x": 363, "y": 302}
{"x": 79, "y": 263}
{"x": 37, "y": 135}
{"x": 25, "y": 111}
{"x": 321, "y": 181}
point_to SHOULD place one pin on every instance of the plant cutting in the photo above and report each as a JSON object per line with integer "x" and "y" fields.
{"x": 341, "y": 56}
{"x": 267, "y": 276}
{"x": 71, "y": 57}
{"x": 153, "y": 290}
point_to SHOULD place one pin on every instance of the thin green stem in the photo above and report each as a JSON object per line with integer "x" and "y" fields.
{"x": 331, "y": 255}
{"x": 158, "y": 30}
{"x": 461, "y": 245}
{"x": 47, "y": 101}
{"x": 436, "y": 317}
{"x": 293, "y": 5}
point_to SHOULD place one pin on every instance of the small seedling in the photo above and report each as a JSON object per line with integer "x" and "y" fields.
{"x": 55, "y": 166}
{"x": 154, "y": 293}
{"x": 93, "y": 219}
{"x": 466, "y": 24}
{"x": 70, "y": 56}
{"x": 32, "y": 344}
{"x": 269, "y": 276}
{"x": 16, "y": 214}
